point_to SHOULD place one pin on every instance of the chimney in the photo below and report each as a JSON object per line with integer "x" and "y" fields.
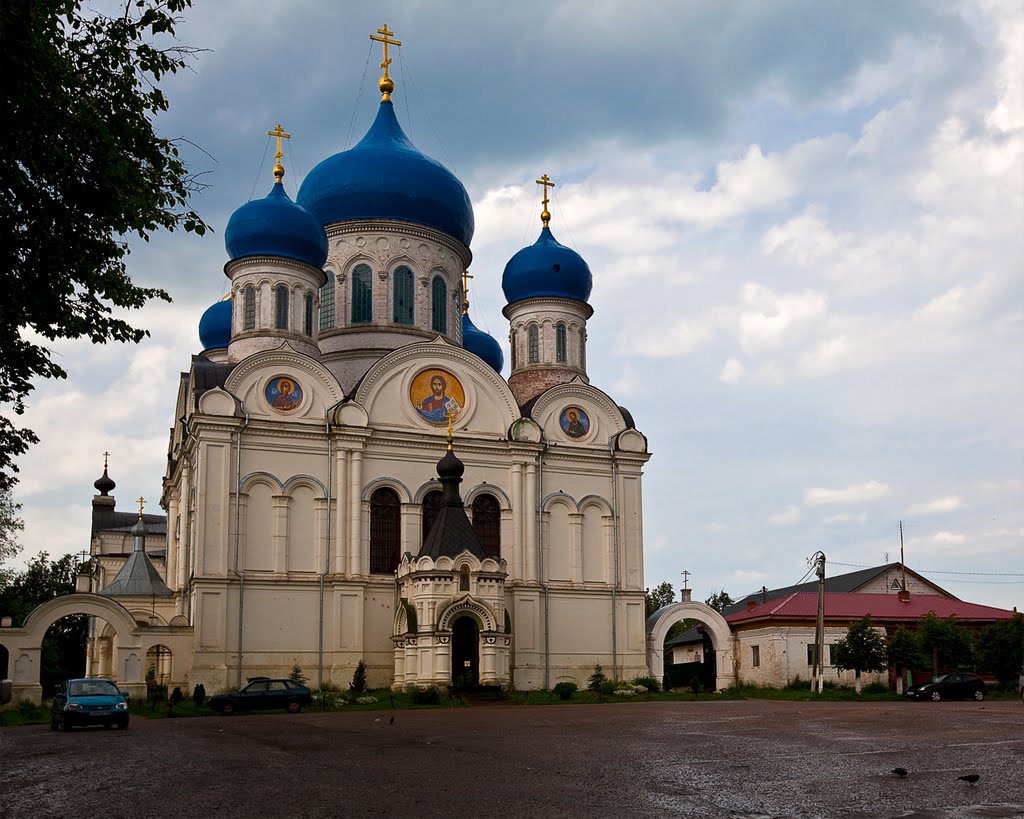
{"x": 903, "y": 595}
{"x": 685, "y": 595}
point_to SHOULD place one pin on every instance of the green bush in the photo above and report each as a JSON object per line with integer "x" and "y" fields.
{"x": 607, "y": 687}
{"x": 597, "y": 679}
{"x": 29, "y": 710}
{"x": 564, "y": 690}
{"x": 876, "y": 688}
{"x": 649, "y": 683}
{"x": 358, "y": 685}
{"x": 425, "y": 696}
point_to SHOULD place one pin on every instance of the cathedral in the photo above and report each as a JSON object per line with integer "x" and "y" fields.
{"x": 351, "y": 478}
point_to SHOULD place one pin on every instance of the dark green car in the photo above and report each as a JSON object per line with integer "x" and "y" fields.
{"x": 264, "y": 694}
{"x": 88, "y": 701}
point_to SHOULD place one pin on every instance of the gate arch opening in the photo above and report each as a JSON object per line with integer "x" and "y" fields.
{"x": 716, "y": 631}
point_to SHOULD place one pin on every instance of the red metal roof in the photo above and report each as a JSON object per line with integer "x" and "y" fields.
{"x": 880, "y": 606}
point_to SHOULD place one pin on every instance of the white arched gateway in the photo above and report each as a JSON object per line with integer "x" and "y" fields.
{"x": 715, "y": 626}
{"x": 24, "y": 644}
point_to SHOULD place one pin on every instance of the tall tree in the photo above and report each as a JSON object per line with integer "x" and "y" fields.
{"x": 660, "y": 595}
{"x": 10, "y": 525}
{"x": 720, "y": 601}
{"x": 862, "y": 649}
{"x": 1001, "y": 648}
{"x": 83, "y": 171}
{"x": 947, "y": 642}
{"x": 903, "y": 652}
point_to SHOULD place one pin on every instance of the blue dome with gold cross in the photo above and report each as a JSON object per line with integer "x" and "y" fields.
{"x": 276, "y": 226}
{"x": 546, "y": 268}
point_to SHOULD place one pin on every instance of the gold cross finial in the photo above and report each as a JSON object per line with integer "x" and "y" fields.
{"x": 545, "y": 180}
{"x": 466, "y": 276}
{"x": 386, "y": 84}
{"x": 106, "y": 455}
{"x": 451, "y": 419}
{"x": 278, "y": 167}
{"x": 141, "y": 502}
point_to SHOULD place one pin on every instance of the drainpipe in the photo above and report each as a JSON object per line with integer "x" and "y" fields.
{"x": 327, "y": 547}
{"x": 540, "y": 565}
{"x": 615, "y": 553}
{"x": 187, "y": 546}
{"x": 238, "y": 540}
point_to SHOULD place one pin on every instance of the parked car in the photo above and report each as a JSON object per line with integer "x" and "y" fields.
{"x": 958, "y": 685}
{"x": 88, "y": 701}
{"x": 264, "y": 694}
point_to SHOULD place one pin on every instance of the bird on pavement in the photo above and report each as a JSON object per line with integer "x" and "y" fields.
{"x": 970, "y": 779}
{"x": 392, "y": 720}
{"x": 900, "y": 772}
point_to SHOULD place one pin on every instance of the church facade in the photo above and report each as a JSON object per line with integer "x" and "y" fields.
{"x": 314, "y": 513}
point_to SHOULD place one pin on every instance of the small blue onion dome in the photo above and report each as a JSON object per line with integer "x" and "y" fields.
{"x": 385, "y": 177}
{"x": 215, "y": 325}
{"x": 546, "y": 268}
{"x": 276, "y": 226}
{"x": 480, "y": 343}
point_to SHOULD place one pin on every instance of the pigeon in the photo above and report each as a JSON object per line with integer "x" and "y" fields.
{"x": 900, "y": 772}
{"x": 392, "y": 720}
{"x": 970, "y": 779}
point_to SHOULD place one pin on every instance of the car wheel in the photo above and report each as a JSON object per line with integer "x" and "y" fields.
{"x": 979, "y": 695}
{"x": 293, "y": 707}
{"x": 936, "y": 696}
{"x": 64, "y": 724}
{"x": 227, "y": 709}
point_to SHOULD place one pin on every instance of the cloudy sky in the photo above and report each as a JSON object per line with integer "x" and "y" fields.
{"x": 804, "y": 220}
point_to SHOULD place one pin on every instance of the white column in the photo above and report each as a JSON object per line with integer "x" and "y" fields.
{"x": 515, "y": 559}
{"x": 356, "y": 557}
{"x": 530, "y": 514}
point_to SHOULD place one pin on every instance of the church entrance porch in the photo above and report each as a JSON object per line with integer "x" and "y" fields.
{"x": 465, "y": 652}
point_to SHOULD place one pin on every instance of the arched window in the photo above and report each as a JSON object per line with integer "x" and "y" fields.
{"x": 439, "y": 305}
{"x": 487, "y": 524}
{"x": 533, "y": 337}
{"x": 281, "y": 307}
{"x": 464, "y": 578}
{"x": 249, "y": 308}
{"x": 402, "y": 296}
{"x": 307, "y": 315}
{"x": 561, "y": 343}
{"x": 327, "y": 302}
{"x": 431, "y": 507}
{"x": 362, "y": 294}
{"x": 385, "y": 531}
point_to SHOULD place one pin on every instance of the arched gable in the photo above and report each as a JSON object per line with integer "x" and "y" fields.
{"x": 483, "y": 615}
{"x": 250, "y": 379}
{"x": 605, "y": 418}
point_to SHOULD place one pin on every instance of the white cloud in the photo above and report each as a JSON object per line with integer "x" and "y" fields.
{"x": 715, "y": 528}
{"x": 846, "y": 517}
{"x": 935, "y": 506}
{"x": 859, "y": 493}
{"x": 953, "y": 538}
{"x": 732, "y": 372}
{"x": 789, "y": 515}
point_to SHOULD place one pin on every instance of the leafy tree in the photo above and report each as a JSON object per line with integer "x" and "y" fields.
{"x": 720, "y": 601}
{"x": 903, "y": 652}
{"x": 662, "y": 595}
{"x": 862, "y": 649}
{"x": 10, "y": 525}
{"x": 947, "y": 642}
{"x": 83, "y": 171}
{"x": 1001, "y": 648}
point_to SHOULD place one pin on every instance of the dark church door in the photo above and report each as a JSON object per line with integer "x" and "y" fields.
{"x": 465, "y": 652}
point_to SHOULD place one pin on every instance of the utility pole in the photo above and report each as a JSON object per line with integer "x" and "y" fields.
{"x": 818, "y": 672}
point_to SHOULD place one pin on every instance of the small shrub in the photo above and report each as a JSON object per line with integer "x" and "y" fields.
{"x": 597, "y": 679}
{"x": 367, "y": 700}
{"x": 649, "y": 683}
{"x": 425, "y": 696}
{"x": 358, "y": 684}
{"x": 564, "y": 690}
{"x": 608, "y": 687}
{"x": 876, "y": 688}
{"x": 296, "y": 675}
{"x": 28, "y": 710}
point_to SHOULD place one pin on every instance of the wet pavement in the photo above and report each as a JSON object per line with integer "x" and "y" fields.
{"x": 752, "y": 758}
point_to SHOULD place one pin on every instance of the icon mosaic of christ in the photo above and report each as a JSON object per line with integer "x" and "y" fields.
{"x": 284, "y": 394}
{"x": 435, "y": 393}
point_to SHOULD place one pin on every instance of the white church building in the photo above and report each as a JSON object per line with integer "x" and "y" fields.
{"x": 351, "y": 478}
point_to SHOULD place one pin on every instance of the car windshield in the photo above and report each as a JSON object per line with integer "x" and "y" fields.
{"x": 938, "y": 678}
{"x": 93, "y": 688}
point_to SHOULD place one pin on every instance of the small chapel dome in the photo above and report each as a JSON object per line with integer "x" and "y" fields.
{"x": 386, "y": 177}
{"x": 105, "y": 484}
{"x": 546, "y": 268}
{"x": 215, "y": 325}
{"x": 480, "y": 343}
{"x": 276, "y": 226}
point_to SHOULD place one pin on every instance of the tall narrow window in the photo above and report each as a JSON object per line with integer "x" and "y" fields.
{"x": 402, "y": 296}
{"x": 533, "y": 336}
{"x": 327, "y": 302}
{"x": 487, "y": 524}
{"x": 583, "y": 349}
{"x": 512, "y": 341}
{"x": 281, "y": 307}
{"x": 385, "y": 531}
{"x": 307, "y": 316}
{"x": 561, "y": 343}
{"x": 431, "y": 506}
{"x": 439, "y": 305}
{"x": 362, "y": 294}
{"x": 249, "y": 308}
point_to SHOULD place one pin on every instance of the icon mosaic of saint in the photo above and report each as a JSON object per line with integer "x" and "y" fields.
{"x": 435, "y": 393}
{"x": 284, "y": 394}
{"x": 574, "y": 422}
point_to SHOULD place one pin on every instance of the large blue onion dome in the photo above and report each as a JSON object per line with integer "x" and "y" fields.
{"x": 480, "y": 343}
{"x": 546, "y": 268}
{"x": 215, "y": 325}
{"x": 385, "y": 177}
{"x": 276, "y": 226}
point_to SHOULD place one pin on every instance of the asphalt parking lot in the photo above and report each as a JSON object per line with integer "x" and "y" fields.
{"x": 751, "y": 758}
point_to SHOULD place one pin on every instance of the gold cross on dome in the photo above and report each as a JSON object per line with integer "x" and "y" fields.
{"x": 545, "y": 180}
{"x": 278, "y": 167}
{"x": 386, "y": 84}
{"x": 451, "y": 419}
{"x": 141, "y": 502}
{"x": 466, "y": 276}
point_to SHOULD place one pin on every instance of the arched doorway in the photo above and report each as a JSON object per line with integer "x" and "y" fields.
{"x": 715, "y": 643}
{"x": 465, "y": 652}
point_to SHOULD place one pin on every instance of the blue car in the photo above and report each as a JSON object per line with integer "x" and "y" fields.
{"x": 89, "y": 701}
